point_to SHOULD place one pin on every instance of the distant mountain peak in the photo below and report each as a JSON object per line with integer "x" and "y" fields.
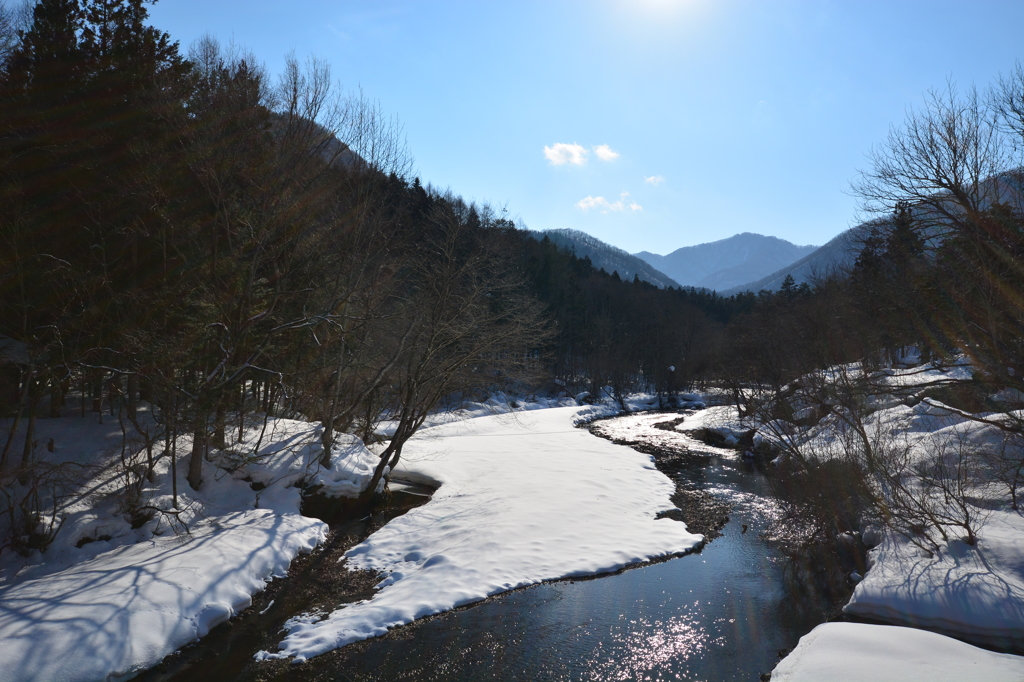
{"x": 729, "y": 262}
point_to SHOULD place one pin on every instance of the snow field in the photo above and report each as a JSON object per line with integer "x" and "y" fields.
{"x": 523, "y": 498}
{"x": 971, "y": 592}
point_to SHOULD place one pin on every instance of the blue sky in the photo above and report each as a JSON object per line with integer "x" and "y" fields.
{"x": 650, "y": 124}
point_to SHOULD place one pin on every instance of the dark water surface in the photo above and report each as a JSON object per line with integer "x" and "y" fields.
{"x": 721, "y": 614}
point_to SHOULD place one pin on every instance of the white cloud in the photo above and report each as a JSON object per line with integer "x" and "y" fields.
{"x": 605, "y": 153}
{"x": 593, "y": 202}
{"x": 603, "y": 205}
{"x": 561, "y": 153}
{"x": 654, "y": 180}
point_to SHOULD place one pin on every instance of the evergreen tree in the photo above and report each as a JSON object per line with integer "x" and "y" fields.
{"x": 788, "y": 288}
{"x": 904, "y": 244}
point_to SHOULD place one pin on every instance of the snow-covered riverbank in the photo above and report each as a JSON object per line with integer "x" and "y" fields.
{"x": 523, "y": 498}
{"x": 854, "y": 652}
{"x": 957, "y": 568}
{"x": 972, "y": 592}
{"x": 526, "y": 497}
{"x": 106, "y": 600}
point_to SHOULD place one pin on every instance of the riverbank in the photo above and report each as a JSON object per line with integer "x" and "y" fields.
{"x": 722, "y": 613}
{"x": 857, "y": 651}
{"x": 485, "y": 635}
{"x": 701, "y": 511}
{"x": 522, "y": 499}
{"x": 483, "y": 466}
{"x": 316, "y": 580}
{"x": 114, "y": 594}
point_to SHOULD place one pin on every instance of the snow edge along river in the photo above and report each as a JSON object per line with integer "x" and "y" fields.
{"x": 523, "y": 498}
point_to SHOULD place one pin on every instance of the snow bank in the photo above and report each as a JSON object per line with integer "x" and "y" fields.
{"x": 123, "y": 611}
{"x": 128, "y": 597}
{"x": 723, "y": 420}
{"x": 723, "y": 417}
{"x": 523, "y": 499}
{"x": 294, "y": 454}
{"x": 854, "y": 652}
{"x": 973, "y": 592}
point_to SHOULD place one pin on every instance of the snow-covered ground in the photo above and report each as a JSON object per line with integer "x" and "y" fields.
{"x": 524, "y": 498}
{"x": 128, "y": 597}
{"x": 855, "y": 652}
{"x": 972, "y": 592}
{"x": 975, "y": 592}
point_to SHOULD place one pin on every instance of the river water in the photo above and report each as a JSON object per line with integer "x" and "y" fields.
{"x": 724, "y": 613}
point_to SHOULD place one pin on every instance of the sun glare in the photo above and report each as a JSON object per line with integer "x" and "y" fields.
{"x": 662, "y": 5}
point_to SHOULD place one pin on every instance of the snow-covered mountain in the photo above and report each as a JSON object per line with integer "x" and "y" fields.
{"x": 606, "y": 256}
{"x": 727, "y": 263}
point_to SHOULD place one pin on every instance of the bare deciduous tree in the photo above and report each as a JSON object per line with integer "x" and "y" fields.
{"x": 943, "y": 162}
{"x": 467, "y": 320}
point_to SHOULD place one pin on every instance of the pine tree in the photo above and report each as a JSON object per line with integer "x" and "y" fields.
{"x": 904, "y": 244}
{"x": 788, "y": 289}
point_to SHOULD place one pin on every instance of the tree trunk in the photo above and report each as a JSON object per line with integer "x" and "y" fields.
{"x": 390, "y": 457}
{"x": 195, "y": 466}
{"x": 97, "y": 394}
{"x": 30, "y": 432}
{"x": 113, "y": 388}
{"x": 219, "y": 427}
{"x": 326, "y": 441}
{"x": 16, "y": 384}
{"x": 22, "y": 399}
{"x": 378, "y": 472}
{"x": 133, "y": 394}
{"x": 56, "y": 399}
{"x": 170, "y": 410}
{"x": 173, "y": 439}
{"x": 241, "y": 413}
{"x": 266, "y": 397}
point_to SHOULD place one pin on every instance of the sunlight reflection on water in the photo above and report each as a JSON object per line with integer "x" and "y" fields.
{"x": 652, "y": 650}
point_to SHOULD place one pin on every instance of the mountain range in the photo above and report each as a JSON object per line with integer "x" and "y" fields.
{"x": 742, "y": 262}
{"x": 842, "y": 250}
{"x": 728, "y": 263}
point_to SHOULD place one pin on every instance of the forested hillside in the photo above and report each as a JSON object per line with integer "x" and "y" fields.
{"x": 186, "y": 232}
{"x": 607, "y": 257}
